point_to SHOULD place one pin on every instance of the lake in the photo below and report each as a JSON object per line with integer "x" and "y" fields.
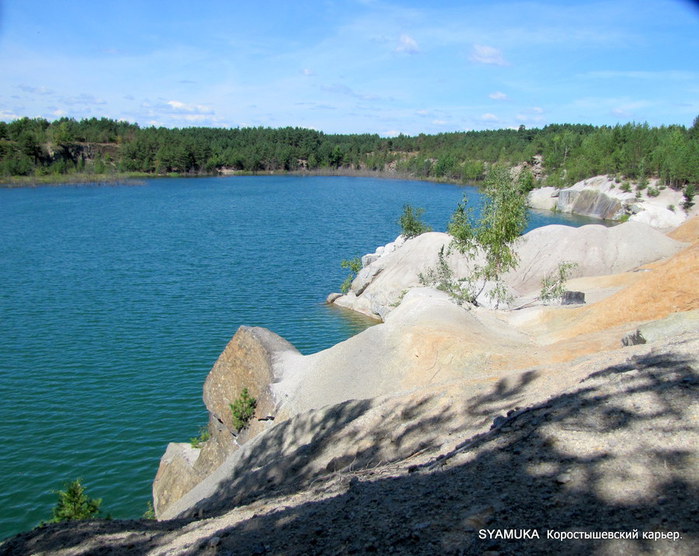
{"x": 116, "y": 301}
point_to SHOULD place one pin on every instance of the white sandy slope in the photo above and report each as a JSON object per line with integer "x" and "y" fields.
{"x": 595, "y": 250}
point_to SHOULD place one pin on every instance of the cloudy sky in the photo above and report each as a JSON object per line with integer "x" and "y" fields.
{"x": 352, "y": 66}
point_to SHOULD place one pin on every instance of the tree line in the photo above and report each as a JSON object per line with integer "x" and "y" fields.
{"x": 568, "y": 152}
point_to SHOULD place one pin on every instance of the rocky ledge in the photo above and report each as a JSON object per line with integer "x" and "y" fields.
{"x": 607, "y": 198}
{"x": 446, "y": 427}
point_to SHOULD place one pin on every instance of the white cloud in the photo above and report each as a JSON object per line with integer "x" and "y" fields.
{"x": 408, "y": 45}
{"x": 198, "y": 118}
{"x": 484, "y": 54}
{"x": 60, "y": 113}
{"x": 489, "y": 117}
{"x": 178, "y": 106}
{"x": 440, "y": 122}
{"x": 537, "y": 110}
{"x": 307, "y": 72}
{"x": 8, "y": 115}
{"x": 497, "y": 95}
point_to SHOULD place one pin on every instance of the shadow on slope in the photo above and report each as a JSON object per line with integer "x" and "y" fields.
{"x": 618, "y": 453}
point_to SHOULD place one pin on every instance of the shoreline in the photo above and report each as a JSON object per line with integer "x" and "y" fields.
{"x": 16, "y": 182}
{"x": 594, "y": 197}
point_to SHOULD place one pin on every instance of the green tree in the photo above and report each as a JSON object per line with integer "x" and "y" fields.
{"x": 460, "y": 226}
{"x": 74, "y": 504}
{"x": 502, "y": 221}
{"x": 354, "y": 266}
{"x": 553, "y": 284}
{"x": 689, "y": 192}
{"x": 410, "y": 222}
{"x": 243, "y": 409}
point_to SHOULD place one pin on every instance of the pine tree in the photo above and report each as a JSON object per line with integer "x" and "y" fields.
{"x": 74, "y": 504}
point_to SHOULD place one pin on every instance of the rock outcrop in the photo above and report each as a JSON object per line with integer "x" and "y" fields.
{"x": 594, "y": 250}
{"x": 250, "y": 360}
{"x": 602, "y": 197}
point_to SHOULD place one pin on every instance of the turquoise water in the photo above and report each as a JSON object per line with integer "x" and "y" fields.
{"x": 116, "y": 301}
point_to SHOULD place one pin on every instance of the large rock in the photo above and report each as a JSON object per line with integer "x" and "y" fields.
{"x": 543, "y": 198}
{"x": 176, "y": 475}
{"x": 426, "y": 342}
{"x": 248, "y": 361}
{"x": 589, "y": 202}
{"x": 660, "y": 218}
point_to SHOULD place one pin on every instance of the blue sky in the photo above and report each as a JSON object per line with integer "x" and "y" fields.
{"x": 352, "y": 66}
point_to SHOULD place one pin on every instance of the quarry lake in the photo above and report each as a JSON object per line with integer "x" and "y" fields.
{"x": 116, "y": 301}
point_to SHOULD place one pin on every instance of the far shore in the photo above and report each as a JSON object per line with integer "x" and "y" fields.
{"x": 128, "y": 178}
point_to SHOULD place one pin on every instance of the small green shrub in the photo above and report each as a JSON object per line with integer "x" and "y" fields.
{"x": 204, "y": 435}
{"x": 460, "y": 227}
{"x": 553, "y": 284}
{"x": 74, "y": 504}
{"x": 643, "y": 181}
{"x": 441, "y": 277}
{"x": 354, "y": 266}
{"x": 410, "y": 223}
{"x": 652, "y": 192}
{"x": 400, "y": 298}
{"x": 671, "y": 208}
{"x": 243, "y": 409}
{"x": 624, "y": 217}
{"x": 625, "y": 187}
{"x": 150, "y": 511}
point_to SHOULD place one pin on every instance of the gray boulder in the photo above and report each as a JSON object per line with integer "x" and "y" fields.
{"x": 248, "y": 361}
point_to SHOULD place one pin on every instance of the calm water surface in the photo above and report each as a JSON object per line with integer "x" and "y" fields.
{"x": 116, "y": 301}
